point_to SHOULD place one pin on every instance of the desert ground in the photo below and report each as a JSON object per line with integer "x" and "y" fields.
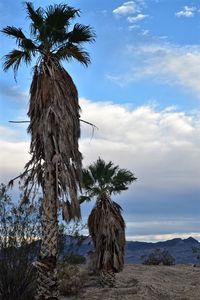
{"x": 138, "y": 282}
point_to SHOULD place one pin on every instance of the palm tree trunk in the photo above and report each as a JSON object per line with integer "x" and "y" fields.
{"x": 46, "y": 266}
{"x": 56, "y": 160}
{"x": 47, "y": 286}
{"x": 107, "y": 278}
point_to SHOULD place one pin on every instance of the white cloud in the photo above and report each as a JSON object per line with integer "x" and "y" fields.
{"x": 137, "y": 18}
{"x": 8, "y": 133}
{"x": 171, "y": 64}
{"x": 187, "y": 11}
{"x": 131, "y": 27}
{"x": 159, "y": 146}
{"x": 145, "y": 32}
{"x": 130, "y": 137}
{"x": 127, "y": 8}
{"x": 133, "y": 11}
{"x": 14, "y": 155}
{"x": 172, "y": 227}
{"x": 162, "y": 148}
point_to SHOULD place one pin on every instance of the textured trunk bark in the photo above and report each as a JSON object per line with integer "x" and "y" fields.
{"x": 46, "y": 266}
{"x": 56, "y": 160}
{"x": 107, "y": 278}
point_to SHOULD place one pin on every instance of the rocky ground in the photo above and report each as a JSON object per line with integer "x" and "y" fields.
{"x": 138, "y": 282}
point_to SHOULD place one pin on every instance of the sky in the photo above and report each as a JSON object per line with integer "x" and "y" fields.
{"x": 142, "y": 91}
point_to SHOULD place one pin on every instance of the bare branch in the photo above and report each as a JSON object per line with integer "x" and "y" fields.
{"x": 93, "y": 127}
{"x": 19, "y": 121}
{"x": 11, "y": 121}
{"x": 88, "y": 123}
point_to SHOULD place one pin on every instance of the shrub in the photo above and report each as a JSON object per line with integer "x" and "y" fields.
{"x": 75, "y": 259}
{"x": 18, "y": 230}
{"x": 196, "y": 250}
{"x": 70, "y": 279}
{"x": 158, "y": 257}
{"x": 17, "y": 275}
{"x": 70, "y": 238}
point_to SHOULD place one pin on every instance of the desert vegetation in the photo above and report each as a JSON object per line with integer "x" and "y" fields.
{"x": 20, "y": 238}
{"x": 19, "y": 229}
{"x": 158, "y": 257}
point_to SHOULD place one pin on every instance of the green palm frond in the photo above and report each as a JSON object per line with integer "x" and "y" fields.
{"x": 101, "y": 177}
{"x": 21, "y": 39}
{"x": 56, "y": 22}
{"x": 50, "y": 36}
{"x": 103, "y": 171}
{"x": 59, "y": 15}
{"x": 120, "y": 181}
{"x": 88, "y": 179}
{"x": 71, "y": 51}
{"x": 14, "y": 58}
{"x": 36, "y": 16}
{"x": 80, "y": 34}
{"x": 14, "y": 32}
{"x": 100, "y": 169}
{"x": 84, "y": 199}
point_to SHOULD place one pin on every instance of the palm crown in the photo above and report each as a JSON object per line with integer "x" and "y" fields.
{"x": 101, "y": 177}
{"x": 49, "y": 36}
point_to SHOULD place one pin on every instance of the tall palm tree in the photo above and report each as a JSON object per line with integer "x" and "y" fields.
{"x": 55, "y": 164}
{"x": 105, "y": 222}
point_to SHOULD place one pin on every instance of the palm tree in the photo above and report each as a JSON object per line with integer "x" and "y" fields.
{"x": 55, "y": 164}
{"x": 105, "y": 222}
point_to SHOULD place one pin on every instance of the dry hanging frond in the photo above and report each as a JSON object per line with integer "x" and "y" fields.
{"x": 107, "y": 229}
{"x": 55, "y": 130}
{"x": 66, "y": 211}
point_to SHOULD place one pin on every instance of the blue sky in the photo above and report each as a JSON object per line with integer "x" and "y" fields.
{"x": 142, "y": 91}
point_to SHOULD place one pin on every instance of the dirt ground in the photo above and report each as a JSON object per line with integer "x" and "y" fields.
{"x": 138, "y": 282}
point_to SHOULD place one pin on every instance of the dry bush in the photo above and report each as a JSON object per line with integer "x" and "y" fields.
{"x": 158, "y": 257}
{"x": 17, "y": 275}
{"x": 18, "y": 230}
{"x": 75, "y": 259}
{"x": 71, "y": 279}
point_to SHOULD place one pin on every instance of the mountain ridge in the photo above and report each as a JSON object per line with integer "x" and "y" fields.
{"x": 180, "y": 249}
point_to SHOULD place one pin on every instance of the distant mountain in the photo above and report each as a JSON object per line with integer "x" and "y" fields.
{"x": 180, "y": 249}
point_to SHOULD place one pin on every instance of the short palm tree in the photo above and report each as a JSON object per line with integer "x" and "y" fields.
{"x": 105, "y": 222}
{"x": 54, "y": 122}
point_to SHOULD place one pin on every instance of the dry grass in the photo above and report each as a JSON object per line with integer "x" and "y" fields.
{"x": 138, "y": 282}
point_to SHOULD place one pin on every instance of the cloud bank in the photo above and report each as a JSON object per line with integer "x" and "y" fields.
{"x": 156, "y": 144}
{"x": 162, "y": 148}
